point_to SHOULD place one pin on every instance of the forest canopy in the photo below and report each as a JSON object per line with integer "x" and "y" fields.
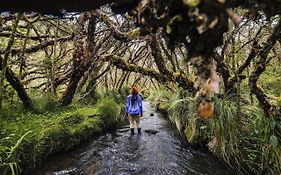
{"x": 228, "y": 50}
{"x": 197, "y": 26}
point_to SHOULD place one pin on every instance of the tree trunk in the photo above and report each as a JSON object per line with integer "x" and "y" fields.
{"x": 260, "y": 68}
{"x": 91, "y": 86}
{"x": 156, "y": 53}
{"x": 68, "y": 95}
{"x": 4, "y": 62}
{"x": 17, "y": 85}
{"x": 81, "y": 55}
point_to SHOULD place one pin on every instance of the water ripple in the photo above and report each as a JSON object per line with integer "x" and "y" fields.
{"x": 122, "y": 154}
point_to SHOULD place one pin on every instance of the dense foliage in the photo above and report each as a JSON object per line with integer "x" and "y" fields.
{"x": 226, "y": 54}
{"x": 246, "y": 140}
{"x": 27, "y": 139}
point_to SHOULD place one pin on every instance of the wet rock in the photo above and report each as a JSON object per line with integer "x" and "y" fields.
{"x": 151, "y": 131}
{"x": 123, "y": 130}
{"x": 128, "y": 127}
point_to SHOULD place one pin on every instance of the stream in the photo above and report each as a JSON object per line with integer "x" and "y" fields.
{"x": 121, "y": 153}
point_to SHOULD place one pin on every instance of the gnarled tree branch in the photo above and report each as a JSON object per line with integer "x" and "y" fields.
{"x": 260, "y": 68}
{"x": 38, "y": 47}
{"x": 118, "y": 62}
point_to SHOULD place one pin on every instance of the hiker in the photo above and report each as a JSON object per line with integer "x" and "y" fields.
{"x": 134, "y": 109}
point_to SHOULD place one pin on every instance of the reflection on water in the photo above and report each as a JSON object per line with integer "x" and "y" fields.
{"x": 120, "y": 153}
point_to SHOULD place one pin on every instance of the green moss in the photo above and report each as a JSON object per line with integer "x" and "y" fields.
{"x": 52, "y": 132}
{"x": 191, "y": 3}
{"x": 163, "y": 106}
{"x": 134, "y": 34}
{"x": 109, "y": 112}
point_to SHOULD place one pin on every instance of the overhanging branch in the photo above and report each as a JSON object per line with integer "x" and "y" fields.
{"x": 118, "y": 62}
{"x": 38, "y": 47}
{"x": 20, "y": 35}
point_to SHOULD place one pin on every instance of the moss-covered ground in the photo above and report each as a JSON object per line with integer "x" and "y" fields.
{"x": 29, "y": 138}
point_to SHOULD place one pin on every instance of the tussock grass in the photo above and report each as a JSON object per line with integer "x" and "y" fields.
{"x": 110, "y": 111}
{"x": 119, "y": 96}
{"x": 224, "y": 130}
{"x": 181, "y": 111}
{"x": 46, "y": 102}
{"x": 161, "y": 99}
{"x": 261, "y": 141}
{"x": 249, "y": 143}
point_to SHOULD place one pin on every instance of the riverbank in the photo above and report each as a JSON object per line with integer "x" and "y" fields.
{"x": 246, "y": 140}
{"x": 27, "y": 139}
{"x": 118, "y": 153}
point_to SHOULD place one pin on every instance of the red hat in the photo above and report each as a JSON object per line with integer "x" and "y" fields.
{"x": 134, "y": 90}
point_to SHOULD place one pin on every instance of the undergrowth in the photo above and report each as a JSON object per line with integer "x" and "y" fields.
{"x": 27, "y": 138}
{"x": 247, "y": 140}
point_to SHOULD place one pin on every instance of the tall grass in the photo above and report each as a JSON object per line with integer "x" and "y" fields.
{"x": 224, "y": 131}
{"x": 53, "y": 130}
{"x": 261, "y": 140}
{"x": 46, "y": 102}
{"x": 161, "y": 99}
{"x": 181, "y": 109}
{"x": 246, "y": 140}
{"x": 109, "y": 111}
{"x": 9, "y": 160}
{"x": 119, "y": 96}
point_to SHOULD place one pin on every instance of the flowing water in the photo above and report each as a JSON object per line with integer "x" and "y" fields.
{"x": 121, "y": 153}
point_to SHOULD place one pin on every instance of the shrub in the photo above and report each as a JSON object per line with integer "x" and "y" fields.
{"x": 45, "y": 102}
{"x": 109, "y": 111}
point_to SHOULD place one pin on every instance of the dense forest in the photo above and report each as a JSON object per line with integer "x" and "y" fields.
{"x": 214, "y": 66}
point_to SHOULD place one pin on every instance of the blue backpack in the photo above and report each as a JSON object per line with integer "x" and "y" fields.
{"x": 135, "y": 109}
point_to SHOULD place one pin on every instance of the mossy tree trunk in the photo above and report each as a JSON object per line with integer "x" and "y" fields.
{"x": 9, "y": 75}
{"x": 18, "y": 87}
{"x": 81, "y": 56}
{"x": 260, "y": 68}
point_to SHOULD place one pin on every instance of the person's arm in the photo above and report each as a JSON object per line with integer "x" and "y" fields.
{"x": 140, "y": 105}
{"x": 127, "y": 106}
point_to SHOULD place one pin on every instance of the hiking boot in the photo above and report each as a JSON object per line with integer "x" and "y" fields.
{"x": 132, "y": 131}
{"x": 139, "y": 130}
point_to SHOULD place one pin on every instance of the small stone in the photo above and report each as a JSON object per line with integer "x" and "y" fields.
{"x": 150, "y": 131}
{"x": 123, "y": 130}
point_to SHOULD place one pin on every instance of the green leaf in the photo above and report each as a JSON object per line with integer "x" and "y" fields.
{"x": 279, "y": 103}
{"x": 273, "y": 140}
{"x": 191, "y": 3}
{"x": 272, "y": 124}
{"x": 12, "y": 168}
{"x": 175, "y": 19}
{"x": 169, "y": 29}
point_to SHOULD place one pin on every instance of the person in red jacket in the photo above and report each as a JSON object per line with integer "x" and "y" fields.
{"x": 134, "y": 109}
